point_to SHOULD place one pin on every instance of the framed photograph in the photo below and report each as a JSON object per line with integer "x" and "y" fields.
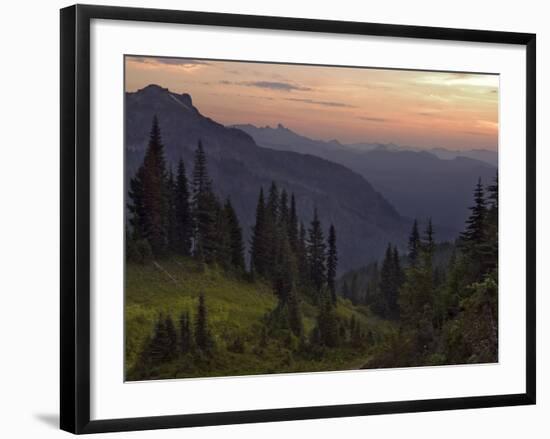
{"x": 268, "y": 219}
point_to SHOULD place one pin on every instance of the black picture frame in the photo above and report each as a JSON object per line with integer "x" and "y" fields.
{"x": 75, "y": 217}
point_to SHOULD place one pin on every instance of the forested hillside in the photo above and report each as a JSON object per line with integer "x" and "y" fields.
{"x": 444, "y": 297}
{"x": 195, "y": 308}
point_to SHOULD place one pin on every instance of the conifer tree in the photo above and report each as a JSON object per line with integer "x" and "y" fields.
{"x": 473, "y": 235}
{"x": 273, "y": 202}
{"x": 136, "y": 206}
{"x": 205, "y": 210}
{"x": 284, "y": 212}
{"x": 201, "y": 179}
{"x": 293, "y": 233}
{"x": 203, "y": 338}
{"x": 414, "y": 244}
{"x": 429, "y": 243}
{"x": 417, "y": 299}
{"x": 149, "y": 196}
{"x": 183, "y": 218}
{"x": 332, "y": 263}
{"x": 259, "y": 245}
{"x": 236, "y": 237}
{"x": 473, "y": 241}
{"x": 316, "y": 253}
{"x": 284, "y": 270}
{"x": 302, "y": 258}
{"x": 172, "y": 223}
{"x": 272, "y": 229}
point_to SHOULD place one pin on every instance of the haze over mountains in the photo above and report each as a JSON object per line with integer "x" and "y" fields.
{"x": 420, "y": 184}
{"x": 365, "y": 221}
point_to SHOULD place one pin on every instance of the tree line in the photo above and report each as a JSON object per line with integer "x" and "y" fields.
{"x": 298, "y": 262}
{"x": 446, "y": 312}
{"x": 170, "y": 215}
{"x": 167, "y": 216}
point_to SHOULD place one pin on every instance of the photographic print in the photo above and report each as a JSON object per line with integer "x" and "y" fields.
{"x": 285, "y": 218}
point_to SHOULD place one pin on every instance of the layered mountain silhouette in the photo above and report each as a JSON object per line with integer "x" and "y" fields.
{"x": 365, "y": 221}
{"x": 420, "y": 184}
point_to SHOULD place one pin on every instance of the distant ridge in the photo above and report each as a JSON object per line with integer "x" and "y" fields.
{"x": 419, "y": 183}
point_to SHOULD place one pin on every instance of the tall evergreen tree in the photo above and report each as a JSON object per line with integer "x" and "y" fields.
{"x": 332, "y": 263}
{"x": 273, "y": 202}
{"x": 473, "y": 241}
{"x": 136, "y": 206}
{"x": 474, "y": 233}
{"x": 316, "y": 253}
{"x": 284, "y": 212}
{"x": 284, "y": 270}
{"x": 149, "y": 196}
{"x": 302, "y": 258}
{"x": 414, "y": 244}
{"x": 293, "y": 232}
{"x": 327, "y": 323}
{"x": 236, "y": 237}
{"x": 172, "y": 223}
{"x": 259, "y": 258}
{"x": 205, "y": 210}
{"x": 430, "y": 243}
{"x": 201, "y": 179}
{"x": 272, "y": 229}
{"x": 183, "y": 218}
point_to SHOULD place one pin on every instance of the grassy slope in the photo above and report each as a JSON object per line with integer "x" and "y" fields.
{"x": 235, "y": 308}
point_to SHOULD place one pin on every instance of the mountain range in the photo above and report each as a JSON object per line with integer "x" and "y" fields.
{"x": 364, "y": 220}
{"x": 419, "y": 183}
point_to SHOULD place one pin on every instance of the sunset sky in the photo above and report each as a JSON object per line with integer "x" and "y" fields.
{"x": 413, "y": 108}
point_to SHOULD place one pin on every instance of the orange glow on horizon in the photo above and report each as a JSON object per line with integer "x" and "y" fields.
{"x": 353, "y": 105}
